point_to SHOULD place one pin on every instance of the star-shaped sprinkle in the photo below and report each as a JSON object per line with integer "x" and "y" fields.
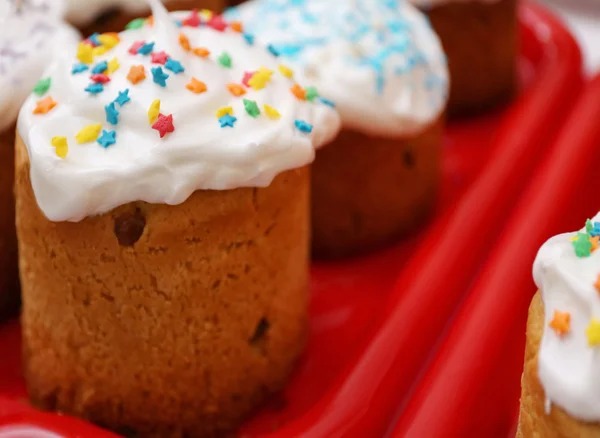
{"x": 159, "y": 76}
{"x": 561, "y": 323}
{"x": 135, "y": 47}
{"x": 100, "y": 78}
{"x": 159, "y": 57}
{"x": 100, "y": 50}
{"x": 251, "y": 108}
{"x": 196, "y": 86}
{"x": 258, "y": 81}
{"x": 593, "y": 333}
{"x": 94, "y": 39}
{"x": 271, "y": 112}
{"x": 311, "y": 93}
{"x": 85, "y": 53}
{"x": 249, "y": 39}
{"x": 44, "y": 106}
{"x": 201, "y": 52}
{"x": 146, "y": 49}
{"x": 88, "y": 134}
{"x": 61, "y": 147}
{"x": 123, "y": 97}
{"x": 174, "y": 66}
{"x": 42, "y": 86}
{"x": 107, "y": 138}
{"x": 224, "y": 59}
{"x": 224, "y": 110}
{"x": 136, "y": 74}
{"x": 217, "y": 23}
{"x": 299, "y": 92}
{"x": 286, "y": 71}
{"x": 95, "y": 88}
{"x": 112, "y": 114}
{"x": 164, "y": 125}
{"x": 79, "y": 68}
{"x": 113, "y": 66}
{"x": 582, "y": 245}
{"x": 273, "y": 50}
{"x": 236, "y": 89}
{"x": 326, "y": 102}
{"x": 227, "y": 121}
{"x": 154, "y": 111}
{"x": 100, "y": 68}
{"x": 594, "y": 241}
{"x": 236, "y": 26}
{"x": 184, "y": 42}
{"x": 303, "y": 126}
{"x": 595, "y": 229}
{"x": 138, "y": 23}
{"x": 109, "y": 39}
{"x": 192, "y": 20}
{"x": 246, "y": 79}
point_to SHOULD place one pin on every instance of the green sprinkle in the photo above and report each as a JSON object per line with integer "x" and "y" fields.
{"x": 138, "y": 23}
{"x": 311, "y": 93}
{"x": 42, "y": 86}
{"x": 251, "y": 108}
{"x": 582, "y": 245}
{"x": 225, "y": 60}
{"x": 589, "y": 226}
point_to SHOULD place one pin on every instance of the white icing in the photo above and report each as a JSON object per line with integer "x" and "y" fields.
{"x": 198, "y": 155}
{"x": 83, "y": 12}
{"x": 30, "y": 36}
{"x": 569, "y": 369}
{"x": 379, "y": 60}
{"x": 428, "y": 4}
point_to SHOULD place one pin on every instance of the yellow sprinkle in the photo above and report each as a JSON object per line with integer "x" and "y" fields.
{"x": 85, "y": 53}
{"x": 271, "y": 112}
{"x": 113, "y": 66}
{"x": 88, "y": 134}
{"x": 593, "y": 333}
{"x": 100, "y": 50}
{"x": 258, "y": 81}
{"x": 266, "y": 72}
{"x": 108, "y": 40}
{"x": 286, "y": 71}
{"x": 61, "y": 146}
{"x": 154, "y": 111}
{"x": 206, "y": 13}
{"x": 225, "y": 110}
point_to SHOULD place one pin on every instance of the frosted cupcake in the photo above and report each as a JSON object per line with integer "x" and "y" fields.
{"x": 561, "y": 380}
{"x": 30, "y": 37}
{"x": 480, "y": 39}
{"x": 384, "y": 67}
{"x": 163, "y": 223}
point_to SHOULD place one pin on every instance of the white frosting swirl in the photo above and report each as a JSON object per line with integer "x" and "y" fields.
{"x": 428, "y": 4}
{"x": 569, "y": 368}
{"x": 379, "y": 60}
{"x": 199, "y": 154}
{"x": 30, "y": 36}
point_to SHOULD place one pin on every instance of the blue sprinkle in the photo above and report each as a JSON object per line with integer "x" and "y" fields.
{"x": 94, "y": 39}
{"x": 95, "y": 88}
{"x": 107, "y": 138}
{"x": 327, "y": 102}
{"x": 100, "y": 68}
{"x": 249, "y": 39}
{"x": 303, "y": 126}
{"x": 79, "y": 68}
{"x": 174, "y": 66}
{"x": 123, "y": 97}
{"x": 159, "y": 76}
{"x": 178, "y": 23}
{"x": 595, "y": 230}
{"x": 227, "y": 120}
{"x": 146, "y": 49}
{"x": 273, "y": 50}
{"x": 112, "y": 115}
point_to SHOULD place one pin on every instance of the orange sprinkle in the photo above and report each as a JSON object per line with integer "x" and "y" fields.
{"x": 196, "y": 86}
{"x": 597, "y": 285}
{"x": 236, "y": 26}
{"x": 201, "y": 52}
{"x": 236, "y": 89}
{"x": 44, "y": 106}
{"x": 184, "y": 41}
{"x": 561, "y": 323}
{"x": 136, "y": 74}
{"x": 594, "y": 241}
{"x": 299, "y": 92}
{"x": 150, "y": 20}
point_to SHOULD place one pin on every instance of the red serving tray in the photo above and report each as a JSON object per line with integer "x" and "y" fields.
{"x": 376, "y": 319}
{"x": 472, "y": 388}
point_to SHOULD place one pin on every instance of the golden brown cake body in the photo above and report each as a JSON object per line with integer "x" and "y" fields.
{"x": 481, "y": 42}
{"x": 534, "y": 422}
{"x": 368, "y": 191}
{"x": 170, "y": 321}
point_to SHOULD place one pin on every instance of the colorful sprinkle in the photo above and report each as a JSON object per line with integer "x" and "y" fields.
{"x": 100, "y": 78}
{"x": 146, "y": 49}
{"x": 153, "y": 111}
{"x": 95, "y": 88}
{"x": 273, "y": 50}
{"x": 123, "y": 97}
{"x": 94, "y": 39}
{"x": 326, "y": 102}
{"x": 236, "y": 26}
{"x": 113, "y": 66}
{"x": 224, "y": 59}
{"x": 159, "y": 76}
{"x": 44, "y": 106}
{"x": 249, "y": 39}
{"x": 109, "y": 40}
{"x": 42, "y": 86}
{"x": 303, "y": 126}
{"x": 196, "y": 86}
{"x": 258, "y": 81}
{"x": 561, "y": 323}
{"x": 138, "y": 23}
{"x": 247, "y": 76}
{"x": 271, "y": 112}
{"x": 593, "y": 333}
{"x": 174, "y": 66}
{"x": 159, "y": 57}
{"x": 79, "y": 68}
{"x": 201, "y": 52}
{"x": 184, "y": 42}
{"x": 164, "y": 125}
{"x": 136, "y": 74}
{"x": 223, "y": 111}
{"x": 192, "y": 20}
{"x": 100, "y": 68}
{"x": 112, "y": 114}
{"x": 85, "y": 53}
{"x": 107, "y": 138}
{"x": 251, "y": 108}
{"x": 286, "y": 71}
{"x": 88, "y": 134}
{"x": 311, "y": 93}
{"x": 582, "y": 245}
{"x": 299, "y": 92}
{"x": 100, "y": 50}
{"x": 135, "y": 47}
{"x": 217, "y": 23}
{"x": 61, "y": 146}
{"x": 227, "y": 121}
{"x": 236, "y": 89}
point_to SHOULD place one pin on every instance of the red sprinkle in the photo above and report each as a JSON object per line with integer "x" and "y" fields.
{"x": 159, "y": 58}
{"x": 164, "y": 125}
{"x": 89, "y": 42}
{"x": 247, "y": 76}
{"x": 100, "y": 78}
{"x": 217, "y": 23}
{"x": 135, "y": 47}
{"x": 193, "y": 20}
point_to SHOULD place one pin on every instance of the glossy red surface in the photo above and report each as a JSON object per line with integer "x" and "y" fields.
{"x": 376, "y": 319}
{"x": 472, "y": 388}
